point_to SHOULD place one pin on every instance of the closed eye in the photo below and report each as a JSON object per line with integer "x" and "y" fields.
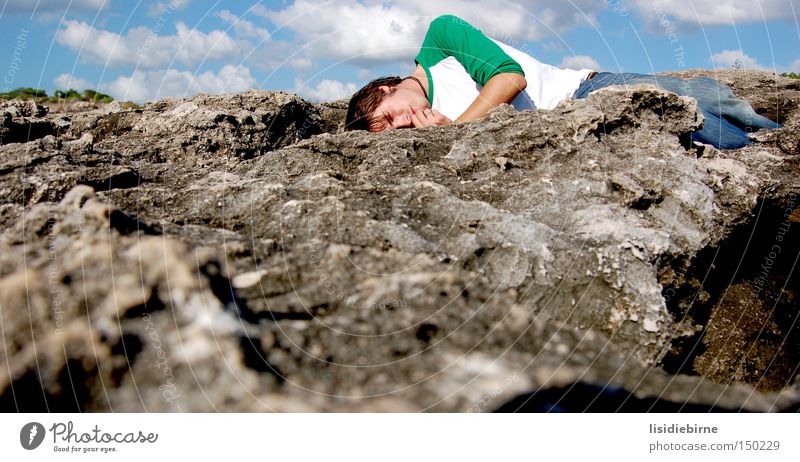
{"x": 380, "y": 123}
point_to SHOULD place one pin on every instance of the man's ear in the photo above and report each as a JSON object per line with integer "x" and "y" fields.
{"x": 385, "y": 89}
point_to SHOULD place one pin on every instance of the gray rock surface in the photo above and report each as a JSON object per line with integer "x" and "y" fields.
{"x": 240, "y": 253}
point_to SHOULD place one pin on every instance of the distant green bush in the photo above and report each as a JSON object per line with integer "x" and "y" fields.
{"x": 24, "y": 93}
{"x": 793, "y": 75}
{"x": 69, "y": 94}
{"x": 60, "y": 96}
{"x": 96, "y": 96}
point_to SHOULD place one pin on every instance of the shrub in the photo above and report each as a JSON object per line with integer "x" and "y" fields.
{"x": 24, "y": 93}
{"x": 69, "y": 94}
{"x": 97, "y": 97}
{"x": 59, "y": 96}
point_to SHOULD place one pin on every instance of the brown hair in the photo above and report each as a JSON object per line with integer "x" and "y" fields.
{"x": 363, "y": 103}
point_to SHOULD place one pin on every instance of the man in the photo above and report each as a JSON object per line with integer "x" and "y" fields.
{"x": 461, "y": 74}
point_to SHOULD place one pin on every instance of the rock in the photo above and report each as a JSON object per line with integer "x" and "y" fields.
{"x": 22, "y": 121}
{"x": 16, "y": 108}
{"x": 242, "y": 253}
{"x": 333, "y": 115}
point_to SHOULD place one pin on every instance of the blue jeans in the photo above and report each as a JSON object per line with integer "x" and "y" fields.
{"x": 728, "y": 119}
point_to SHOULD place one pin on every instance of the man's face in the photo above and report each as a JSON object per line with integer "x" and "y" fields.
{"x": 396, "y": 108}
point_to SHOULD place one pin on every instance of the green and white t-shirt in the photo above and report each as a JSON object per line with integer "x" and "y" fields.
{"x": 459, "y": 60}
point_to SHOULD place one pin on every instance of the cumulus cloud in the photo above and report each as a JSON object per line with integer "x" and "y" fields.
{"x": 68, "y": 81}
{"x": 714, "y": 12}
{"x": 372, "y": 31}
{"x": 734, "y": 59}
{"x": 143, "y": 86}
{"x": 143, "y": 48}
{"x": 327, "y": 90}
{"x": 580, "y": 62}
{"x": 243, "y": 27}
{"x": 301, "y": 64}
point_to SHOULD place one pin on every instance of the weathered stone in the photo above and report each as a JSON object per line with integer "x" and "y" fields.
{"x": 242, "y": 253}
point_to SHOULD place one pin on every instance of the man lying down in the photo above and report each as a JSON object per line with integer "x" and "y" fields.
{"x": 461, "y": 74}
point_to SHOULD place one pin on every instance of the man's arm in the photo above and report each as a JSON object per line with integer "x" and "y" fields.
{"x": 502, "y": 88}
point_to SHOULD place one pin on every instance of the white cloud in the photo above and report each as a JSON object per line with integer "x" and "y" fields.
{"x": 161, "y": 8}
{"x": 376, "y": 31}
{"x": 149, "y": 85}
{"x": 243, "y": 27}
{"x": 734, "y": 59}
{"x": 714, "y": 12}
{"x": 580, "y": 62}
{"x": 795, "y": 66}
{"x": 67, "y": 82}
{"x": 52, "y": 6}
{"x": 327, "y": 90}
{"x": 277, "y": 54}
{"x": 141, "y": 47}
{"x": 301, "y": 64}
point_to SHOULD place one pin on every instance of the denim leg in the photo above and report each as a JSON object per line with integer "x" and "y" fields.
{"x": 728, "y": 119}
{"x": 720, "y": 133}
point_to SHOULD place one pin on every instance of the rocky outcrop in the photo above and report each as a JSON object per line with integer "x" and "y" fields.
{"x": 240, "y": 253}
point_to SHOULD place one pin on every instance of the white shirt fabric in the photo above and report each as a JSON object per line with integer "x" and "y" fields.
{"x": 454, "y": 89}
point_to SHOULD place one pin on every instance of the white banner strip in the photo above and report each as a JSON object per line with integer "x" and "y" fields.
{"x": 400, "y": 437}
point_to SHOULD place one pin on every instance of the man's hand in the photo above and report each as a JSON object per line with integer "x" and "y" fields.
{"x": 428, "y": 117}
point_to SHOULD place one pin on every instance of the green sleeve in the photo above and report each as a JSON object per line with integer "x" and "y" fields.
{"x": 452, "y": 36}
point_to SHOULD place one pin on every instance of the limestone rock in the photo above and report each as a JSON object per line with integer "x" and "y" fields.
{"x": 242, "y": 253}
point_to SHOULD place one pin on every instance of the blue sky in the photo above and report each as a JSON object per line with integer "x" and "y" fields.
{"x": 325, "y": 49}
